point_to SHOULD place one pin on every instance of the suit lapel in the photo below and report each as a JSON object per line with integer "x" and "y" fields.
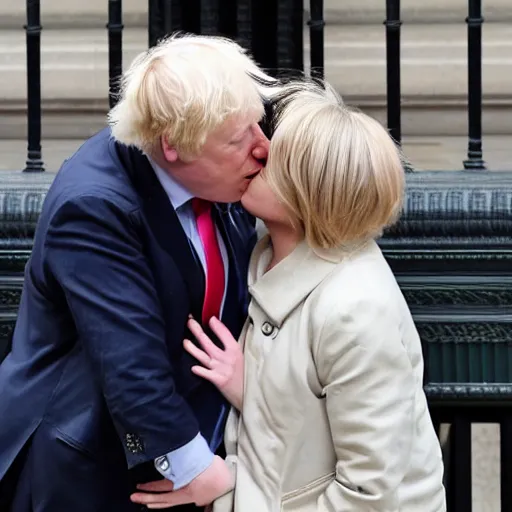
{"x": 166, "y": 227}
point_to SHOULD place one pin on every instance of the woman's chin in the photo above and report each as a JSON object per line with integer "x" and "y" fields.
{"x": 248, "y": 203}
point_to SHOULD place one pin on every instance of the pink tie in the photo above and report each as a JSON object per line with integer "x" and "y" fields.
{"x": 214, "y": 289}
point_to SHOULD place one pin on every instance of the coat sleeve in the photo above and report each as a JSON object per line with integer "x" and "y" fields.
{"x": 369, "y": 388}
{"x": 94, "y": 253}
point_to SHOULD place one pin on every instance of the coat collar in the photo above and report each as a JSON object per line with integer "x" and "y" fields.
{"x": 280, "y": 290}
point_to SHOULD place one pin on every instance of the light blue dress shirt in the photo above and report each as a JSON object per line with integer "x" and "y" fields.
{"x": 181, "y": 466}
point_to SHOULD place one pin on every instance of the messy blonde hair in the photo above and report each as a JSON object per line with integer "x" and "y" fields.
{"x": 336, "y": 170}
{"x": 183, "y": 89}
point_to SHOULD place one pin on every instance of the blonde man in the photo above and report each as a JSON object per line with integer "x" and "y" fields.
{"x": 332, "y": 416}
{"x": 137, "y": 232}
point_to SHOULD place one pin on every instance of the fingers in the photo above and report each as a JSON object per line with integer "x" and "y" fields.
{"x": 196, "y": 352}
{"x": 163, "y": 500}
{"x": 157, "y": 486}
{"x": 206, "y": 343}
{"x": 223, "y": 333}
{"x": 212, "y": 375}
{"x": 220, "y": 330}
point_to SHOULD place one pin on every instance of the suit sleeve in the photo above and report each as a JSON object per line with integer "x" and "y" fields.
{"x": 95, "y": 254}
{"x": 370, "y": 388}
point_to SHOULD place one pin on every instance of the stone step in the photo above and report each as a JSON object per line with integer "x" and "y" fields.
{"x": 425, "y": 153}
{"x": 93, "y": 13}
{"x": 434, "y": 77}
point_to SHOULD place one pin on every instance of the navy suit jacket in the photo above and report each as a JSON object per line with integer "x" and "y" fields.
{"x": 97, "y": 381}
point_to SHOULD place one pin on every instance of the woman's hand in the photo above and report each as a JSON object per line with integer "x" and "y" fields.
{"x": 223, "y": 368}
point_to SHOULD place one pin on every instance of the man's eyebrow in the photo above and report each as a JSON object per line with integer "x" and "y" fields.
{"x": 241, "y": 133}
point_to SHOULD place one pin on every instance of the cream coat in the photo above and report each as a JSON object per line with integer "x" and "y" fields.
{"x": 334, "y": 417}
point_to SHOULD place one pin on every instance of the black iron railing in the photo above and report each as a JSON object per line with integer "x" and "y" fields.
{"x": 316, "y": 38}
{"x": 475, "y": 21}
{"x": 273, "y": 33}
{"x": 115, "y": 48}
{"x": 452, "y": 253}
{"x": 393, "y": 86}
{"x": 33, "y": 30}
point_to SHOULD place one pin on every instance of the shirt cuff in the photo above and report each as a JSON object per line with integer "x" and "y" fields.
{"x": 181, "y": 466}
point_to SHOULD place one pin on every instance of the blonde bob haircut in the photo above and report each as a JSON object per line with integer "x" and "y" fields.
{"x": 183, "y": 89}
{"x": 336, "y": 170}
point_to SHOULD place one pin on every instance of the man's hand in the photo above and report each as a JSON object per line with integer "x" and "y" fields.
{"x": 212, "y": 483}
{"x": 224, "y": 368}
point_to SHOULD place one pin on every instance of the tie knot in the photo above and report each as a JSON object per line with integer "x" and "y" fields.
{"x": 201, "y": 206}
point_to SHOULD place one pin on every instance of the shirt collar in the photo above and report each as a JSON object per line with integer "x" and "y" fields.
{"x": 178, "y": 194}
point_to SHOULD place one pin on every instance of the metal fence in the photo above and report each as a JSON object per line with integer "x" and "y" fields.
{"x": 466, "y": 247}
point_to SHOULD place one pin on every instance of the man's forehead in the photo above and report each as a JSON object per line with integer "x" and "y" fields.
{"x": 236, "y": 124}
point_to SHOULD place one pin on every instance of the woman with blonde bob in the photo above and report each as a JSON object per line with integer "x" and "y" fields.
{"x": 329, "y": 412}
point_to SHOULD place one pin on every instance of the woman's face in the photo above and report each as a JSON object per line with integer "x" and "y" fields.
{"x": 260, "y": 201}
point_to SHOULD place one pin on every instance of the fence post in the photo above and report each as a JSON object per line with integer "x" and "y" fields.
{"x": 316, "y": 38}
{"x": 393, "y": 92}
{"x": 115, "y": 48}
{"x": 475, "y": 21}
{"x": 33, "y": 30}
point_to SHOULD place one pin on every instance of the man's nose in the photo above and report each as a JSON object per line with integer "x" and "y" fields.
{"x": 261, "y": 145}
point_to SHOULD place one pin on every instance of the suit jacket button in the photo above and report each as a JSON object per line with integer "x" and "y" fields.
{"x": 267, "y": 328}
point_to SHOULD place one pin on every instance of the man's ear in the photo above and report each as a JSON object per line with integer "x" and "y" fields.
{"x": 169, "y": 152}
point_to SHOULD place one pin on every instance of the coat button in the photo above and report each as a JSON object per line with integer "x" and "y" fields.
{"x": 267, "y": 328}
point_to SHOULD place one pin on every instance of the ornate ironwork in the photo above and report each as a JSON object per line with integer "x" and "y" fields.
{"x": 9, "y": 297}
{"x": 442, "y": 330}
{"x": 482, "y": 394}
{"x": 6, "y": 328}
{"x": 427, "y": 294}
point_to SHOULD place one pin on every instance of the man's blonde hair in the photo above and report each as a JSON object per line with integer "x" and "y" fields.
{"x": 183, "y": 89}
{"x": 337, "y": 170}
